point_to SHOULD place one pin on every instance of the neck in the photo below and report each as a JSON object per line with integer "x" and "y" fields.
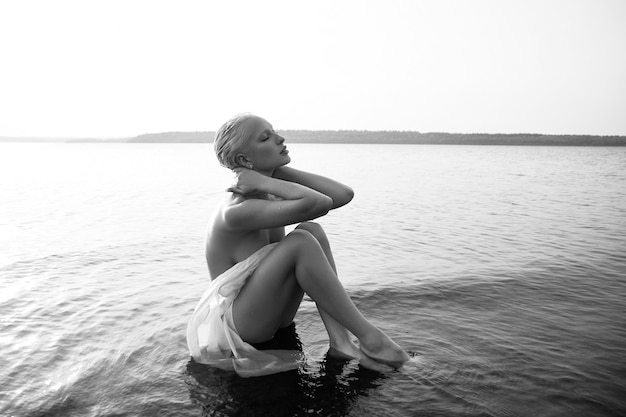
{"x": 268, "y": 173}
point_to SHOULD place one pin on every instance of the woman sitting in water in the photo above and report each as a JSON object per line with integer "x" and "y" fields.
{"x": 259, "y": 275}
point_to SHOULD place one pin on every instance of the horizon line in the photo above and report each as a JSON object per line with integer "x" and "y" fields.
{"x": 212, "y": 132}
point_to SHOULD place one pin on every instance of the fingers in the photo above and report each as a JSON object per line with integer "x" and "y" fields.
{"x": 234, "y": 189}
{"x": 239, "y": 170}
{"x": 246, "y": 181}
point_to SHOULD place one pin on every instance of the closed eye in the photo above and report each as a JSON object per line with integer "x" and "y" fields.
{"x": 267, "y": 134}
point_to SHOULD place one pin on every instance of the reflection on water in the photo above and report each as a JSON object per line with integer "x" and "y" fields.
{"x": 328, "y": 388}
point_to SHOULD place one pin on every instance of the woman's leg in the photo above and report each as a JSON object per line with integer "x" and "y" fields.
{"x": 340, "y": 340}
{"x": 259, "y": 308}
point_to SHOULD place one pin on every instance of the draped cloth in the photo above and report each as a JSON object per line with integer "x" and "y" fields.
{"x": 211, "y": 334}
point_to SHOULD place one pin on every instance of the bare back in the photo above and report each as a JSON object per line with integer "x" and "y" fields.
{"x": 226, "y": 247}
{"x": 259, "y": 207}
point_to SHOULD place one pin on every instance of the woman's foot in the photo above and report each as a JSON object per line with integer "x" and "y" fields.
{"x": 379, "y": 347}
{"x": 349, "y": 351}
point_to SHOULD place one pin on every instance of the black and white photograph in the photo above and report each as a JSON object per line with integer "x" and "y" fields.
{"x": 281, "y": 208}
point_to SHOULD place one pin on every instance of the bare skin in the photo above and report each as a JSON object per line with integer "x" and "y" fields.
{"x": 302, "y": 261}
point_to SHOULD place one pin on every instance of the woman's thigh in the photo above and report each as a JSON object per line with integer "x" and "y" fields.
{"x": 272, "y": 292}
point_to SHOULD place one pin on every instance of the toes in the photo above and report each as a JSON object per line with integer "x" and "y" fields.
{"x": 336, "y": 353}
{"x": 369, "y": 363}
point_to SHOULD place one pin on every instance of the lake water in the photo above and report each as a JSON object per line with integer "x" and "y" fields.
{"x": 502, "y": 270}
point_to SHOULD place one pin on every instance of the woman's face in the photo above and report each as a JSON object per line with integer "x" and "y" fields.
{"x": 265, "y": 150}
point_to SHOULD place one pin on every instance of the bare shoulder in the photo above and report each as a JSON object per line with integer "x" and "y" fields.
{"x": 261, "y": 213}
{"x": 221, "y": 242}
{"x": 241, "y": 213}
{"x": 234, "y": 208}
{"x": 229, "y": 206}
{"x": 235, "y": 216}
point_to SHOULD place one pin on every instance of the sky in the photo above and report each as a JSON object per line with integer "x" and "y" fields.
{"x": 106, "y": 69}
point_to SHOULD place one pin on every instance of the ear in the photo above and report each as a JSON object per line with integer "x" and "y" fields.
{"x": 243, "y": 161}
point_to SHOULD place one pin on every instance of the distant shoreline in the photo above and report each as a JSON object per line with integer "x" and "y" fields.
{"x": 365, "y": 137}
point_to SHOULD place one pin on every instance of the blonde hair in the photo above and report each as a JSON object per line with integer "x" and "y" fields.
{"x": 231, "y": 139}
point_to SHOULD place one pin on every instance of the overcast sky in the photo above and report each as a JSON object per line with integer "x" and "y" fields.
{"x": 121, "y": 68}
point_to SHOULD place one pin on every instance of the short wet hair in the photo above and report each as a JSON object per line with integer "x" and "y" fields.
{"x": 231, "y": 139}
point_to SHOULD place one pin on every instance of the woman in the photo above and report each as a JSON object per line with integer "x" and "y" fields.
{"x": 260, "y": 275}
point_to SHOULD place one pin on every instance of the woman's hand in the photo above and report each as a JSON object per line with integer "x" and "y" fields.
{"x": 291, "y": 202}
{"x": 247, "y": 182}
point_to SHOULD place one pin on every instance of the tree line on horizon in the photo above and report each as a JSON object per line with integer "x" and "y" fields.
{"x": 400, "y": 137}
{"x": 367, "y": 137}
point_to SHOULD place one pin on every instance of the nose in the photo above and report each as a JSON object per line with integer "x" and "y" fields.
{"x": 279, "y": 139}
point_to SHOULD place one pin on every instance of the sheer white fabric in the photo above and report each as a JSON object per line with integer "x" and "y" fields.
{"x": 211, "y": 334}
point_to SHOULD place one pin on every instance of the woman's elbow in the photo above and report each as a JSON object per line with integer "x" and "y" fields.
{"x": 326, "y": 204}
{"x": 343, "y": 198}
{"x": 323, "y": 204}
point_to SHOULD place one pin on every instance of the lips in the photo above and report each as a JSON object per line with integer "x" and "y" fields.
{"x": 285, "y": 151}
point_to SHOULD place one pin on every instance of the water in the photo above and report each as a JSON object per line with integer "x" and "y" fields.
{"x": 502, "y": 270}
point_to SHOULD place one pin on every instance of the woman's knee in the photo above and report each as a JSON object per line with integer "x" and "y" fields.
{"x": 302, "y": 239}
{"x": 314, "y": 229}
{"x": 301, "y": 235}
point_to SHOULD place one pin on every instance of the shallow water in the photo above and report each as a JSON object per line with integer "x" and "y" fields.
{"x": 500, "y": 269}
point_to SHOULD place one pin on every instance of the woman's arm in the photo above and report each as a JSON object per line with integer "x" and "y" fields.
{"x": 299, "y": 203}
{"x": 340, "y": 194}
